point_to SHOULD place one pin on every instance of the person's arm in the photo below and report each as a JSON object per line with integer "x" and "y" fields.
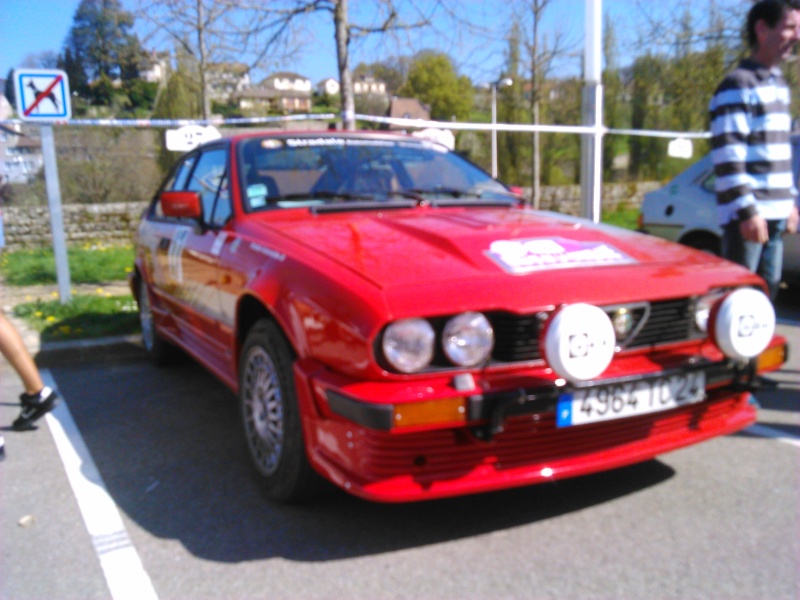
{"x": 730, "y": 129}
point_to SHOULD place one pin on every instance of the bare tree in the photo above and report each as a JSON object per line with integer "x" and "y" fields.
{"x": 219, "y": 31}
{"x": 542, "y": 52}
{"x": 389, "y": 19}
{"x": 214, "y": 31}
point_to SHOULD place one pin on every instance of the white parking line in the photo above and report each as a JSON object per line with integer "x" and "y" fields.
{"x": 122, "y": 567}
{"x": 775, "y": 434}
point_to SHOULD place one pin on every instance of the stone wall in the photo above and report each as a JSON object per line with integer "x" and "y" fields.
{"x": 112, "y": 223}
{"x": 115, "y": 223}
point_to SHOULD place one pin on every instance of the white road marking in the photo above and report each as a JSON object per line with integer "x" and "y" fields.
{"x": 122, "y": 567}
{"x": 776, "y": 434}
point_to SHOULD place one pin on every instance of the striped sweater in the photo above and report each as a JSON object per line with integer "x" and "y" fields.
{"x": 752, "y": 155}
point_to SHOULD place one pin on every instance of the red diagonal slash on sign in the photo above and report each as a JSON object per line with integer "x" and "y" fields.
{"x": 39, "y": 96}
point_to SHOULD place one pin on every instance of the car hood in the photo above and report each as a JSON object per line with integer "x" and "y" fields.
{"x": 493, "y": 256}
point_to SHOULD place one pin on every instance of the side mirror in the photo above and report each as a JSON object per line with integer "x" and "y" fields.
{"x": 182, "y": 205}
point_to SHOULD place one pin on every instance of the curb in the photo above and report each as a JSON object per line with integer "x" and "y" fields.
{"x": 52, "y": 354}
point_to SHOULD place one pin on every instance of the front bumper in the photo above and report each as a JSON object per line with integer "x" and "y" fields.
{"x": 508, "y": 438}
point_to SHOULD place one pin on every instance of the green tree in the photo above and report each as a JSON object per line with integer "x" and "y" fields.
{"x": 513, "y": 147}
{"x": 72, "y": 64}
{"x": 179, "y": 100}
{"x": 432, "y": 79}
{"x": 613, "y": 108}
{"x": 646, "y": 113}
{"x": 103, "y": 39}
{"x": 391, "y": 72}
{"x": 9, "y": 90}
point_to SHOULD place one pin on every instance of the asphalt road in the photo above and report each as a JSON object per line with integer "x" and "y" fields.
{"x": 159, "y": 502}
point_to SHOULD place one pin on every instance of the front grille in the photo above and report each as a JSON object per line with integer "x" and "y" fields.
{"x": 517, "y": 336}
{"x": 669, "y": 321}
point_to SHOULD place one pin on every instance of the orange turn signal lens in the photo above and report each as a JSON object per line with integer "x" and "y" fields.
{"x": 432, "y": 412}
{"x": 771, "y": 358}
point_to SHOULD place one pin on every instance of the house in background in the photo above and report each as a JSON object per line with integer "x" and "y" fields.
{"x": 328, "y": 87}
{"x": 227, "y": 79}
{"x": 368, "y": 86}
{"x": 154, "y": 67}
{"x": 20, "y": 153}
{"x": 408, "y": 108}
{"x": 283, "y": 92}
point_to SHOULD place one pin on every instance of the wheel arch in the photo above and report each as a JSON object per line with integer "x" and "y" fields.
{"x": 702, "y": 239}
{"x": 250, "y": 311}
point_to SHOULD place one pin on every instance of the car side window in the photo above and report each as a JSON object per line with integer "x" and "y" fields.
{"x": 222, "y": 209}
{"x": 207, "y": 177}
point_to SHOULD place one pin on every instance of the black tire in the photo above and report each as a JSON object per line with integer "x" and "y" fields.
{"x": 160, "y": 351}
{"x": 270, "y": 416}
{"x": 705, "y": 242}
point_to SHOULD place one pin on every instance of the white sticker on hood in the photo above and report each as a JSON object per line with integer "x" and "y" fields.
{"x": 540, "y": 254}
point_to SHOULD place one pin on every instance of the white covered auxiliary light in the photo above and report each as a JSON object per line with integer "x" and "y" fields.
{"x": 579, "y": 342}
{"x": 742, "y": 323}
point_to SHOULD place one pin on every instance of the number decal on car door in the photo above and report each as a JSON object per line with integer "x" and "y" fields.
{"x": 176, "y": 252}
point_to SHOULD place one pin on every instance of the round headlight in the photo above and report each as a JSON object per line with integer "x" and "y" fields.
{"x": 468, "y": 339}
{"x": 579, "y": 342}
{"x": 742, "y": 324}
{"x": 702, "y": 309}
{"x": 408, "y": 345}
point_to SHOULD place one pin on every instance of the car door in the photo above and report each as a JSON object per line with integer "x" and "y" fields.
{"x": 193, "y": 256}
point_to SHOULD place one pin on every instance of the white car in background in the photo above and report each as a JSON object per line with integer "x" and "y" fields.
{"x": 685, "y": 211}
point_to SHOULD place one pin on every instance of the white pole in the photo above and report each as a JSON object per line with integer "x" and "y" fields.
{"x": 592, "y": 144}
{"x": 56, "y": 214}
{"x": 494, "y": 130}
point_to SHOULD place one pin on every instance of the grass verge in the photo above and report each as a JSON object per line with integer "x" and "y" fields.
{"x": 84, "y": 317}
{"x": 87, "y": 264}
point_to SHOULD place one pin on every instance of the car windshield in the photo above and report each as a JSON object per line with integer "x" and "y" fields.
{"x": 283, "y": 172}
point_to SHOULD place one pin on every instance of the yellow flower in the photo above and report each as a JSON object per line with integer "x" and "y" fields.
{"x": 100, "y": 291}
{"x": 39, "y": 314}
{"x": 54, "y": 294}
{"x": 51, "y": 319}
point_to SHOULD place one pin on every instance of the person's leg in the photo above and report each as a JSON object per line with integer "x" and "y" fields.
{"x": 15, "y": 352}
{"x": 38, "y": 399}
{"x": 770, "y": 266}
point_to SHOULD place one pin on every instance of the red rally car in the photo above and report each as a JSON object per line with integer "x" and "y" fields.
{"x": 395, "y": 321}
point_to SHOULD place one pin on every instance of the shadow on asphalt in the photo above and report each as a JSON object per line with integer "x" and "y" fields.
{"x": 168, "y": 446}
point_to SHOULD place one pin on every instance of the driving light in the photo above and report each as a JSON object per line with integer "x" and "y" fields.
{"x": 742, "y": 323}
{"x": 468, "y": 339}
{"x": 408, "y": 345}
{"x": 579, "y": 342}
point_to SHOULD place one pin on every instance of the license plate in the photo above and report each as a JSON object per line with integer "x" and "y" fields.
{"x": 620, "y": 400}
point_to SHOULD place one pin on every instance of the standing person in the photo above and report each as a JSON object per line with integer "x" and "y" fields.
{"x": 752, "y": 154}
{"x": 38, "y": 399}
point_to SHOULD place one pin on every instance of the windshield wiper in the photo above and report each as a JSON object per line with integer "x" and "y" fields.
{"x": 447, "y": 191}
{"x": 320, "y": 195}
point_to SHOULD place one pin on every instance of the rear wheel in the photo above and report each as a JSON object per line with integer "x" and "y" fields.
{"x": 270, "y": 415}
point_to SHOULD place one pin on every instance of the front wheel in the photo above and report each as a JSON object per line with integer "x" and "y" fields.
{"x": 270, "y": 415}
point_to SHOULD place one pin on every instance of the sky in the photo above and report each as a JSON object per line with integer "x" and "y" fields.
{"x": 30, "y": 27}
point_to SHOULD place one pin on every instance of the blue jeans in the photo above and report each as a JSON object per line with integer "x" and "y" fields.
{"x": 764, "y": 259}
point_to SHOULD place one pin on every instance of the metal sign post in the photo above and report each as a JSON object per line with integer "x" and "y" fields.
{"x": 592, "y": 145}
{"x": 43, "y": 95}
{"x": 56, "y": 214}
